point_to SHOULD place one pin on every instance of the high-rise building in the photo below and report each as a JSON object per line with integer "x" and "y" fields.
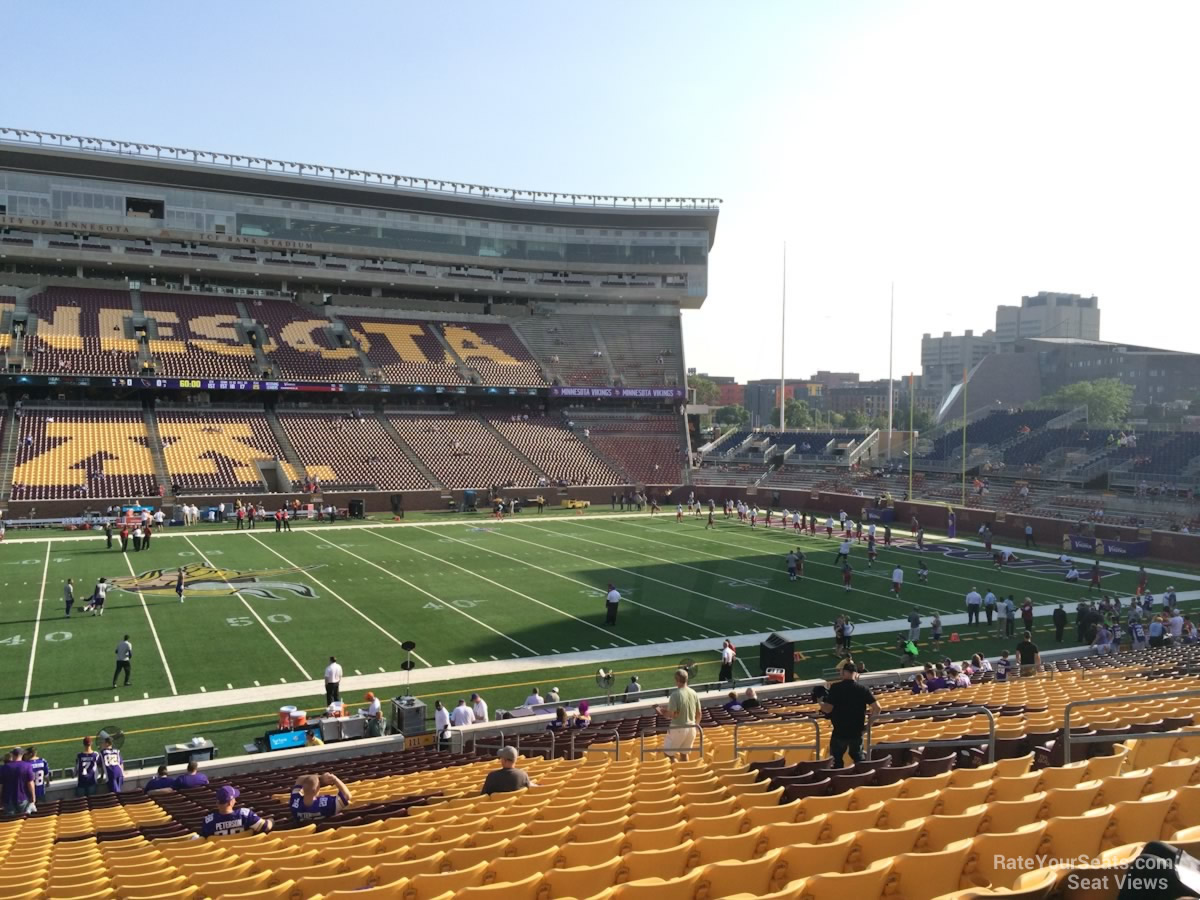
{"x": 1048, "y": 314}
{"x": 944, "y": 358}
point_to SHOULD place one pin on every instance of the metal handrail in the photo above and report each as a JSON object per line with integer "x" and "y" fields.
{"x": 1111, "y": 738}
{"x": 642, "y": 743}
{"x": 815, "y": 746}
{"x": 902, "y": 715}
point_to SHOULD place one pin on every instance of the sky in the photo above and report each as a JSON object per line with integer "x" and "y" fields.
{"x": 968, "y": 153}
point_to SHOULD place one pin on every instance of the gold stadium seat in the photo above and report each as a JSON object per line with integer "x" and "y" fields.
{"x": 921, "y": 876}
{"x": 682, "y": 888}
{"x": 1017, "y": 848}
{"x": 587, "y": 853}
{"x": 1008, "y": 815}
{"x": 1129, "y": 786}
{"x": 434, "y": 884}
{"x": 525, "y": 889}
{"x": 518, "y": 868}
{"x": 1176, "y": 773}
{"x": 1071, "y": 801}
{"x": 733, "y": 823}
{"x": 1138, "y": 820}
{"x": 871, "y": 844}
{"x": 182, "y": 891}
{"x": 840, "y": 885}
{"x": 1077, "y": 837}
{"x": 654, "y": 838}
{"x": 281, "y": 891}
{"x": 782, "y": 834}
{"x": 1014, "y": 787}
{"x": 801, "y": 860}
{"x": 668, "y": 863}
{"x": 580, "y": 881}
{"x": 388, "y": 872}
{"x": 722, "y": 879}
{"x": 1061, "y": 776}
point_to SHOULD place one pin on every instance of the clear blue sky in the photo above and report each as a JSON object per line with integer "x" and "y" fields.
{"x": 970, "y": 152}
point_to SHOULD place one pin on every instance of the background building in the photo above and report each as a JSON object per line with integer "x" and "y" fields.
{"x": 944, "y": 358}
{"x": 1048, "y": 315}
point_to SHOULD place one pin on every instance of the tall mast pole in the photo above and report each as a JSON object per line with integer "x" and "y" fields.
{"x": 783, "y": 340}
{"x": 891, "y": 343}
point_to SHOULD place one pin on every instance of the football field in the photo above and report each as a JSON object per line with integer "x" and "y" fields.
{"x": 263, "y": 608}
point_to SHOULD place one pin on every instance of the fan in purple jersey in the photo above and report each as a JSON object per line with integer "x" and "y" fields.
{"x": 41, "y": 772}
{"x": 308, "y": 804}
{"x": 114, "y": 766}
{"x": 87, "y": 765}
{"x": 17, "y": 785}
{"x": 228, "y": 820}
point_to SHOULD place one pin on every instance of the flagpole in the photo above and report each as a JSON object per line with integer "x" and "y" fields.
{"x": 783, "y": 340}
{"x": 911, "y": 394}
{"x": 891, "y": 343}
{"x": 964, "y": 439}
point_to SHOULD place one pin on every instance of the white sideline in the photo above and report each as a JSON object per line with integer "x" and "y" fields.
{"x": 273, "y": 693}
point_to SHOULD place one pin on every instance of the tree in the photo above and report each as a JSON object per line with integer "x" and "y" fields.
{"x": 1107, "y": 400}
{"x": 732, "y": 415}
{"x": 921, "y": 420}
{"x": 796, "y": 413}
{"x": 854, "y": 418}
{"x": 707, "y": 393}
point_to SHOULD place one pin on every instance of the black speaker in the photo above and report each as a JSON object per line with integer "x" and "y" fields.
{"x": 778, "y": 653}
{"x": 397, "y": 501}
{"x": 357, "y": 508}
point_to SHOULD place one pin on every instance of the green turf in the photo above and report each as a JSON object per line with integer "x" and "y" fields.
{"x": 462, "y": 587}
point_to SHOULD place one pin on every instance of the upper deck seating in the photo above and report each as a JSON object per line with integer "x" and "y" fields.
{"x": 80, "y": 332}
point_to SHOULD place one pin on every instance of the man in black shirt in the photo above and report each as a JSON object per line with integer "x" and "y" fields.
{"x": 1028, "y": 656}
{"x": 847, "y": 704}
{"x": 1060, "y": 622}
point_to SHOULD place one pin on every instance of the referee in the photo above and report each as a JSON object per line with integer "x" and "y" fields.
{"x": 124, "y": 660}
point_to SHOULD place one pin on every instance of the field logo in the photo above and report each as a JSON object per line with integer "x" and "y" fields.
{"x": 212, "y": 582}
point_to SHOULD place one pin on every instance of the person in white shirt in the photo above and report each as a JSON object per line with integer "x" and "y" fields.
{"x": 727, "y": 656}
{"x": 1176, "y": 624}
{"x": 1065, "y": 560}
{"x": 333, "y": 681}
{"x": 611, "y": 600}
{"x": 158, "y": 517}
{"x": 534, "y": 698}
{"x": 441, "y": 721}
{"x": 1072, "y": 574}
{"x": 897, "y": 580}
{"x": 373, "y": 713}
{"x": 974, "y": 602}
{"x": 479, "y": 709}
{"x": 461, "y": 714}
{"x": 843, "y": 554}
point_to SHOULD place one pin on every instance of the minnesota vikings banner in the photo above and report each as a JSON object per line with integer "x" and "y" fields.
{"x": 1101, "y": 547}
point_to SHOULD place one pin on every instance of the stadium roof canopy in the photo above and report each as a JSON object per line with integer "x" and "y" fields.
{"x": 151, "y": 164}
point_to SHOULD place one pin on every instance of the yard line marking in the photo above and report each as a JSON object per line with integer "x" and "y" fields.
{"x": 495, "y": 657}
{"x": 743, "y": 665}
{"x": 585, "y": 584}
{"x": 359, "y": 672}
{"x": 153, "y": 630}
{"x": 382, "y": 669}
{"x": 450, "y": 661}
{"x": 254, "y": 613}
{"x": 472, "y": 659}
{"x": 433, "y": 597}
{"x": 37, "y": 621}
{"x": 256, "y": 684}
{"x": 788, "y": 594}
{"x": 499, "y": 585}
{"x": 281, "y": 681}
{"x": 395, "y": 640}
{"x": 203, "y": 689}
{"x": 228, "y": 686}
{"x": 594, "y": 647}
{"x": 145, "y": 695}
{"x": 635, "y": 575}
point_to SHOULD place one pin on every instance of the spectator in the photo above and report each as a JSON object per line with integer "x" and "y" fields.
{"x": 682, "y": 712}
{"x": 1028, "y": 656}
{"x": 160, "y": 782}
{"x": 632, "y": 688}
{"x": 479, "y": 708}
{"x": 41, "y": 773}
{"x": 314, "y": 739}
{"x": 733, "y": 705}
{"x": 534, "y": 698}
{"x": 17, "y": 785}
{"x": 374, "y": 715}
{"x": 727, "y": 656}
{"x": 192, "y": 778}
{"x": 552, "y": 696}
{"x": 508, "y": 777}
{"x": 1060, "y": 623}
{"x": 560, "y": 722}
{"x": 441, "y": 720}
{"x": 847, "y": 704}
{"x": 918, "y": 684}
{"x": 461, "y": 714}
{"x": 1003, "y": 664}
{"x": 227, "y": 820}
{"x": 750, "y": 699}
{"x": 582, "y": 718}
{"x": 87, "y": 765}
{"x": 333, "y": 681}
{"x": 307, "y": 803}
{"x": 114, "y": 766}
